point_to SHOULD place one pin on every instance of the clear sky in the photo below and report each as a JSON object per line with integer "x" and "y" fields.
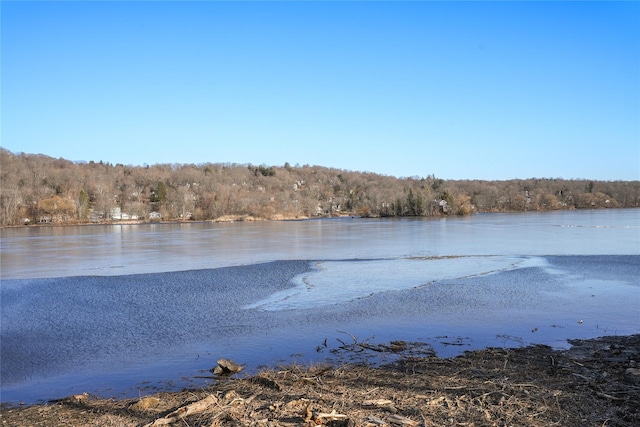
{"x": 462, "y": 90}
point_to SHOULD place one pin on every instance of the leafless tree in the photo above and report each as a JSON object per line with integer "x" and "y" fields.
{"x": 34, "y": 185}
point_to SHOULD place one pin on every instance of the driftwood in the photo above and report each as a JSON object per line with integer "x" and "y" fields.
{"x": 400, "y": 420}
{"x": 185, "y": 411}
{"x": 319, "y": 418}
{"x": 391, "y": 419}
{"x": 385, "y": 404}
{"x": 212, "y": 404}
{"x": 331, "y": 416}
{"x": 375, "y": 421}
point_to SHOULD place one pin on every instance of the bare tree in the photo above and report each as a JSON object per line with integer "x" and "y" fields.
{"x": 33, "y": 185}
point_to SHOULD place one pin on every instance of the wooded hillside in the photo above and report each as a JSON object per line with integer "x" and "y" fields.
{"x": 35, "y": 188}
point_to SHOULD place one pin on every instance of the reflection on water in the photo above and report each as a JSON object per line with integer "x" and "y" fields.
{"x": 75, "y": 318}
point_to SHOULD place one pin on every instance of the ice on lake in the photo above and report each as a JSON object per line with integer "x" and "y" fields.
{"x": 333, "y": 282}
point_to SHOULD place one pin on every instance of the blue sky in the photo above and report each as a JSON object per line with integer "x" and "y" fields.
{"x": 462, "y": 90}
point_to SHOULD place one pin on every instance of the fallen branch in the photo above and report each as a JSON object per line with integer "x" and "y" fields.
{"x": 382, "y": 404}
{"x": 331, "y": 416}
{"x": 376, "y": 421}
{"x": 353, "y": 337}
{"x": 608, "y": 396}
{"x": 400, "y": 420}
{"x": 185, "y": 411}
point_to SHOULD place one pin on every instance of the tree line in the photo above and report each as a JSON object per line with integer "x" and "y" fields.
{"x": 36, "y": 188}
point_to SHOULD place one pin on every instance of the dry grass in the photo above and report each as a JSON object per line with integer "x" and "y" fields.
{"x": 532, "y": 386}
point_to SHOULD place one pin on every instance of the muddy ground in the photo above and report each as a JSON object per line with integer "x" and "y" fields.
{"x": 595, "y": 383}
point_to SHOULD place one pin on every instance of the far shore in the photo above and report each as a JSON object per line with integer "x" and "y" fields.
{"x": 222, "y": 219}
{"x": 248, "y": 218}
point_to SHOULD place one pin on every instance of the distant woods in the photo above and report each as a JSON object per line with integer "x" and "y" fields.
{"x": 41, "y": 189}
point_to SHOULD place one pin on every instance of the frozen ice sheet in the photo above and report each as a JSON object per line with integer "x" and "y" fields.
{"x": 333, "y": 282}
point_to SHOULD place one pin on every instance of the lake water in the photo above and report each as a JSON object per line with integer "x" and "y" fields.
{"x": 124, "y": 310}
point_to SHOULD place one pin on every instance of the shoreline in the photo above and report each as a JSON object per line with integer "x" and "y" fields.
{"x": 284, "y": 218}
{"x": 220, "y": 220}
{"x": 595, "y": 382}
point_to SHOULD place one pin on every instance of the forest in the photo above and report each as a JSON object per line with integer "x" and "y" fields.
{"x": 38, "y": 189}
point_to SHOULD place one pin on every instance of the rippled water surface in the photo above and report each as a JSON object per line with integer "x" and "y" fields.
{"x": 122, "y": 310}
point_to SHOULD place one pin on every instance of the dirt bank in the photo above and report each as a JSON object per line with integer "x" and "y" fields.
{"x": 595, "y": 383}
